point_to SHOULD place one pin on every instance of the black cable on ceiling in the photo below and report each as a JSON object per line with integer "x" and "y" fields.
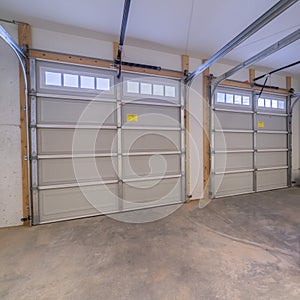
{"x": 277, "y": 70}
{"x": 267, "y": 75}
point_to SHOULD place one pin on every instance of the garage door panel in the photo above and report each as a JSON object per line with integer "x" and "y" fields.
{"x": 151, "y": 165}
{"x": 233, "y": 161}
{"x": 142, "y": 137}
{"x": 151, "y": 116}
{"x": 228, "y": 120}
{"x": 233, "y": 141}
{"x": 144, "y": 141}
{"x": 61, "y": 171}
{"x": 271, "y": 122}
{"x": 60, "y": 141}
{"x": 249, "y": 142}
{"x": 143, "y": 194}
{"x": 68, "y": 111}
{"x": 271, "y": 179}
{"x": 271, "y": 141}
{"x": 231, "y": 184}
{"x": 271, "y": 159}
{"x": 72, "y": 202}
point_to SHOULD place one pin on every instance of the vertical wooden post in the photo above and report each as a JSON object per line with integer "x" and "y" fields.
{"x": 24, "y": 39}
{"x": 185, "y": 66}
{"x": 185, "y": 63}
{"x": 206, "y": 133}
{"x": 288, "y": 80}
{"x": 116, "y": 46}
{"x": 251, "y": 75}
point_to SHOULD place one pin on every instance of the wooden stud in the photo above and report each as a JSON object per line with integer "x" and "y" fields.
{"x": 288, "y": 80}
{"x": 24, "y": 40}
{"x": 94, "y": 62}
{"x": 206, "y": 133}
{"x": 116, "y": 47}
{"x": 185, "y": 67}
{"x": 185, "y": 63}
{"x": 251, "y": 75}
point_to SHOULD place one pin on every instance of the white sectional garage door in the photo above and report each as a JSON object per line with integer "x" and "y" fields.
{"x": 250, "y": 142}
{"x": 102, "y": 147}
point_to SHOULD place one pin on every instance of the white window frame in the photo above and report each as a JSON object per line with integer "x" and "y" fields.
{"x": 63, "y": 69}
{"x": 150, "y": 80}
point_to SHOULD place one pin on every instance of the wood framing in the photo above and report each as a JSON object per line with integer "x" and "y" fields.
{"x": 94, "y": 62}
{"x": 248, "y": 86}
{"x": 251, "y": 75}
{"x": 24, "y": 40}
{"x": 288, "y": 80}
{"x": 185, "y": 65}
{"x": 206, "y": 134}
{"x": 116, "y": 46}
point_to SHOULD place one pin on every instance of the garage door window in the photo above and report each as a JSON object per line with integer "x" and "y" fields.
{"x": 65, "y": 80}
{"x": 232, "y": 99}
{"x": 271, "y": 104}
{"x": 53, "y": 78}
{"x": 134, "y": 87}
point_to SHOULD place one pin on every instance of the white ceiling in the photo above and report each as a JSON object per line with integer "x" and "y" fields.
{"x": 165, "y": 24}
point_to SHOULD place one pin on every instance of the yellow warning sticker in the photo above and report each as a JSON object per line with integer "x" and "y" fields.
{"x": 261, "y": 125}
{"x": 132, "y": 118}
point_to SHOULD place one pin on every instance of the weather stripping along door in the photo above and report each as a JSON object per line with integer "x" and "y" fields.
{"x": 101, "y": 147}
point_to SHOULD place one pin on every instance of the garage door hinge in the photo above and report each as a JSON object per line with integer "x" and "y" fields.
{"x": 32, "y": 93}
{"x": 25, "y": 219}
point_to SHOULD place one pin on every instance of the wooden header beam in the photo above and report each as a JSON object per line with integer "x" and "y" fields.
{"x": 94, "y": 62}
{"x": 248, "y": 86}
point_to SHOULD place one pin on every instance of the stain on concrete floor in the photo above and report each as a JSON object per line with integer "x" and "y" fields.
{"x": 243, "y": 247}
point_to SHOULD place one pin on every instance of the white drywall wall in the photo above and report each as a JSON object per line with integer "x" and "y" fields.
{"x": 10, "y": 148}
{"x": 67, "y": 43}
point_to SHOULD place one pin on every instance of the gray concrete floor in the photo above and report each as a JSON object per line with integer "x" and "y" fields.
{"x": 243, "y": 247}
